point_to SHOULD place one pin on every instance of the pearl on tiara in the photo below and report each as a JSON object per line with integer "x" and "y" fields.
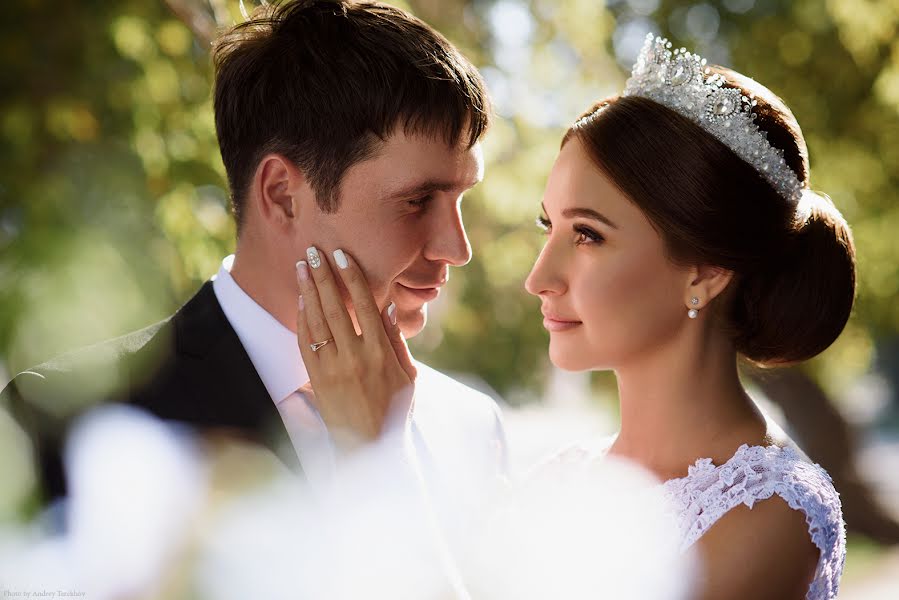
{"x": 681, "y": 81}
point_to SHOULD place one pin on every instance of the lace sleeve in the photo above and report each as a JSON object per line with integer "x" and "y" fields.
{"x": 755, "y": 474}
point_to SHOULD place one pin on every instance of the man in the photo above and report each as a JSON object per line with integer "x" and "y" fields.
{"x": 344, "y": 125}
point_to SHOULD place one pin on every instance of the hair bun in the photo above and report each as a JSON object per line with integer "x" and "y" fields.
{"x": 794, "y": 308}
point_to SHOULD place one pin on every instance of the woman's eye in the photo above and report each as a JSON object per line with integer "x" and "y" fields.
{"x": 544, "y": 224}
{"x": 585, "y": 235}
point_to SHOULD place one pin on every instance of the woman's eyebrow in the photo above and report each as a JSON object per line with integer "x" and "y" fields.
{"x": 588, "y": 213}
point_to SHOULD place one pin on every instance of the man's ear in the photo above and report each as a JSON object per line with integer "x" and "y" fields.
{"x": 282, "y": 191}
{"x": 705, "y": 283}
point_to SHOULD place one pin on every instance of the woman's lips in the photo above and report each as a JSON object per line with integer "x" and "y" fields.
{"x": 554, "y": 322}
{"x": 557, "y": 325}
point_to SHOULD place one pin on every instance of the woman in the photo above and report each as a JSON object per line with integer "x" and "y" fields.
{"x": 682, "y": 235}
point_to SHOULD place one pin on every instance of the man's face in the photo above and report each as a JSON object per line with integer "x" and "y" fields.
{"x": 400, "y": 218}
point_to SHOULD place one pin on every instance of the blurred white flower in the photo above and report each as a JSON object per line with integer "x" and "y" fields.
{"x": 135, "y": 485}
{"x": 579, "y": 530}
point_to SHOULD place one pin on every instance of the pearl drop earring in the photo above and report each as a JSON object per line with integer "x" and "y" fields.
{"x": 693, "y": 313}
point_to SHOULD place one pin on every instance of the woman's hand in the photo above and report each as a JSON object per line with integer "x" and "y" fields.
{"x": 358, "y": 380}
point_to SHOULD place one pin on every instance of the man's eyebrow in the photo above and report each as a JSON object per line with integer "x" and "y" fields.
{"x": 588, "y": 213}
{"x": 428, "y": 187}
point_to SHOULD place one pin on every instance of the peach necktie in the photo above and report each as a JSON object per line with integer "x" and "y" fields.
{"x": 308, "y": 434}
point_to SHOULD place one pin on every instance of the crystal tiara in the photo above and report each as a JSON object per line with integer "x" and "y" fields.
{"x": 681, "y": 81}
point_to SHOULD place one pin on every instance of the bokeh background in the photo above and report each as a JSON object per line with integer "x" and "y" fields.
{"x": 114, "y": 207}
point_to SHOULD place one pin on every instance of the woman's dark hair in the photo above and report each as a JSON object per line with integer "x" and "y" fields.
{"x": 794, "y": 278}
{"x": 322, "y": 81}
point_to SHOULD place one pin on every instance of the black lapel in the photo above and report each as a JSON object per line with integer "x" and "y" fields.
{"x": 218, "y": 374}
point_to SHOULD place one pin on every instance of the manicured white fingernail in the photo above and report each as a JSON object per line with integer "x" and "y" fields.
{"x": 340, "y": 259}
{"x": 300, "y": 303}
{"x": 315, "y": 260}
{"x": 302, "y": 270}
{"x": 391, "y": 312}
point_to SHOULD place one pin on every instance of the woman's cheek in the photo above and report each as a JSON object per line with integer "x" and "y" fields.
{"x": 618, "y": 304}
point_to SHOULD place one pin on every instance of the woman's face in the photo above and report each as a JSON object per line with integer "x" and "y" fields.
{"x": 610, "y": 295}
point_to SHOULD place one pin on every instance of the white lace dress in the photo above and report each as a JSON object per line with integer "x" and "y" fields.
{"x": 753, "y": 474}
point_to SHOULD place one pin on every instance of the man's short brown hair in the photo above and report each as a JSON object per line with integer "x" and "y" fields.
{"x": 321, "y": 82}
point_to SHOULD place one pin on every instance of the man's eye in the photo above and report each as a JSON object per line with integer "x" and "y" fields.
{"x": 544, "y": 224}
{"x": 421, "y": 202}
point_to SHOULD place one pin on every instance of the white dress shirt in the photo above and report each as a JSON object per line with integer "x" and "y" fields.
{"x": 273, "y": 350}
{"x": 454, "y": 431}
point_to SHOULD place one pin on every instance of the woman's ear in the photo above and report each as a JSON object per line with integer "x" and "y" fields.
{"x": 706, "y": 282}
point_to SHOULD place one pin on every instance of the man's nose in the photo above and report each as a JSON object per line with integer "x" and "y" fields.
{"x": 448, "y": 242}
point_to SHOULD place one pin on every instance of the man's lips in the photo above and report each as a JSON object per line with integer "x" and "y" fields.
{"x": 554, "y": 322}
{"x": 427, "y": 293}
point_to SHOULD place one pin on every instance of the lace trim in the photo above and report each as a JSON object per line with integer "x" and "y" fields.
{"x": 756, "y": 473}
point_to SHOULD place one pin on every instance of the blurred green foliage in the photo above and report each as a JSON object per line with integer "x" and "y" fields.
{"x": 113, "y": 207}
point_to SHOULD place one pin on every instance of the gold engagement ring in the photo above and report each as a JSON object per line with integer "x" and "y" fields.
{"x": 315, "y": 347}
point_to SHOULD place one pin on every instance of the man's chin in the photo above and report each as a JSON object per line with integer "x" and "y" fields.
{"x": 412, "y": 321}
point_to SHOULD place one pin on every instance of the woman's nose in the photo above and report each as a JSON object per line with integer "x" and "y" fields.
{"x": 546, "y": 276}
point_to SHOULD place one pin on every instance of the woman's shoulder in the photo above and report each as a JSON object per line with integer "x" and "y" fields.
{"x": 764, "y": 488}
{"x": 760, "y": 552}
